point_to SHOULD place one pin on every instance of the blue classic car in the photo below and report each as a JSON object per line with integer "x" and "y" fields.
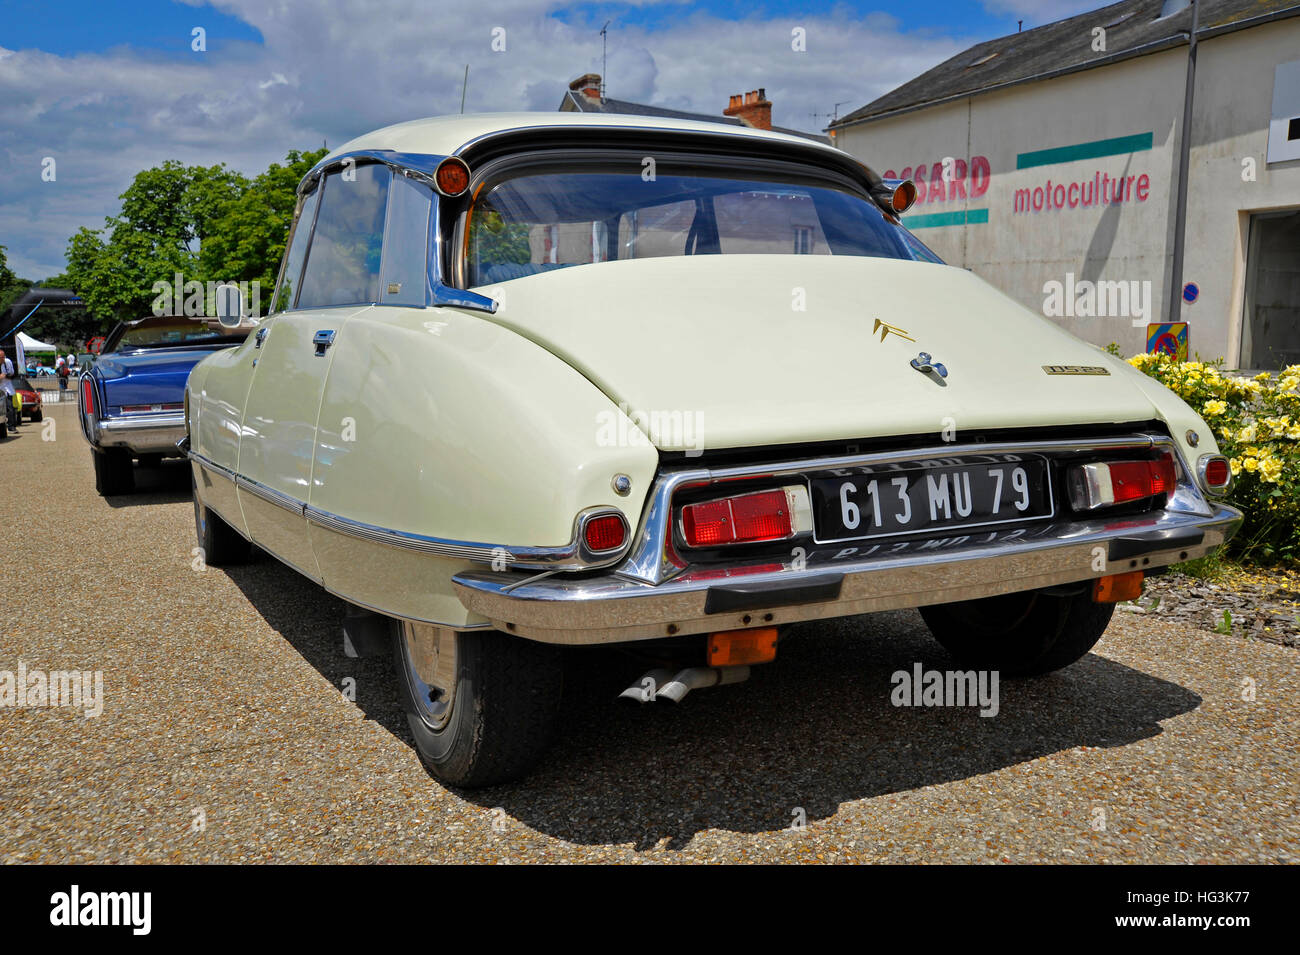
{"x": 131, "y": 400}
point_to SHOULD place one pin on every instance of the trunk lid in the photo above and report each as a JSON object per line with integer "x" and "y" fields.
{"x": 730, "y": 351}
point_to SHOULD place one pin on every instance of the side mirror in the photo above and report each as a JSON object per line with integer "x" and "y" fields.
{"x": 895, "y": 196}
{"x": 230, "y": 305}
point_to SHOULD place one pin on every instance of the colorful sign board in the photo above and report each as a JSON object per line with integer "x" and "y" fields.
{"x": 1168, "y": 338}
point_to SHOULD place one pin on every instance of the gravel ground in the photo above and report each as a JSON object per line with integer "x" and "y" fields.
{"x": 1262, "y": 603}
{"x": 226, "y": 734}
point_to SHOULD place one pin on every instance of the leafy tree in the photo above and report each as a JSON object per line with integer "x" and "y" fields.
{"x": 247, "y": 236}
{"x": 7, "y": 277}
{"x": 208, "y": 223}
{"x": 167, "y": 211}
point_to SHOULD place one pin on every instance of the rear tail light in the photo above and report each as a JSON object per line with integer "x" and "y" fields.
{"x": 1216, "y": 473}
{"x": 604, "y": 533}
{"x": 88, "y": 396}
{"x": 746, "y": 518}
{"x": 1104, "y": 484}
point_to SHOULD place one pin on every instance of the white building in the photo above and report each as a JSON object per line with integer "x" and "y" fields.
{"x": 1048, "y": 162}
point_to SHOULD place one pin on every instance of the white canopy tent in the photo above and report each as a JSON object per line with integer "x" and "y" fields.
{"x": 27, "y": 344}
{"x": 32, "y": 344}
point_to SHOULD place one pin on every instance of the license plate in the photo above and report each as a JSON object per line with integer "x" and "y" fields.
{"x": 889, "y": 500}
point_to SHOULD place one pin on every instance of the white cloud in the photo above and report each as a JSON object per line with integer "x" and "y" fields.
{"x": 334, "y": 71}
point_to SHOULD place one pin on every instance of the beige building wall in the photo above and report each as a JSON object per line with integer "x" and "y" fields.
{"x": 1138, "y": 102}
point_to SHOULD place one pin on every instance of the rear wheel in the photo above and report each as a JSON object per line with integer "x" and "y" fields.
{"x": 113, "y": 471}
{"x": 1021, "y": 634}
{"x": 222, "y": 545}
{"x": 482, "y": 706}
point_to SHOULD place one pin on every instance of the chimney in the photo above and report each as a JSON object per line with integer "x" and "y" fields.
{"x": 752, "y": 108}
{"x": 588, "y": 85}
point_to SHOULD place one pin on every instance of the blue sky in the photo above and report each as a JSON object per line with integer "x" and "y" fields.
{"x": 106, "y": 88}
{"x": 67, "y": 27}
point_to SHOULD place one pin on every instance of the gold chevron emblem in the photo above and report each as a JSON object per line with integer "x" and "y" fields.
{"x": 886, "y": 329}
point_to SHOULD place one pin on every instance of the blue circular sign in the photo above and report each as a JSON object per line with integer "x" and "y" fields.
{"x": 1190, "y": 292}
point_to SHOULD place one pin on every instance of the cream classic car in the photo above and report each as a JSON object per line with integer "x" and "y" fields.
{"x": 534, "y": 380}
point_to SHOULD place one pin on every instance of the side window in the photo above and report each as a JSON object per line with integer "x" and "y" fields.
{"x": 296, "y": 252}
{"x": 344, "y": 259}
{"x": 406, "y": 244}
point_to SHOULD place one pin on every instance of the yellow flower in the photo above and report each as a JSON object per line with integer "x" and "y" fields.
{"x": 1263, "y": 376}
{"x": 1215, "y": 407}
{"x": 1248, "y": 433}
{"x": 1250, "y": 464}
{"x": 1235, "y": 465}
{"x": 1293, "y": 432}
{"x": 1271, "y": 470}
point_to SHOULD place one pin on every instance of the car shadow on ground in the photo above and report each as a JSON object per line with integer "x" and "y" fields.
{"x": 812, "y": 731}
{"x": 167, "y": 482}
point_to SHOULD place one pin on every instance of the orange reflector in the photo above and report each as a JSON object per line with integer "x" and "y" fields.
{"x": 735, "y": 647}
{"x": 452, "y": 176}
{"x": 1117, "y": 587}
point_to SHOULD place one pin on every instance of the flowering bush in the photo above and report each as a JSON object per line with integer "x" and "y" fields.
{"x": 1257, "y": 424}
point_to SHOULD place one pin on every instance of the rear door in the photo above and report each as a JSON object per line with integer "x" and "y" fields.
{"x": 340, "y": 279}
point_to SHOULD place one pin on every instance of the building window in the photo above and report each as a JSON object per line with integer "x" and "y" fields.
{"x": 803, "y": 240}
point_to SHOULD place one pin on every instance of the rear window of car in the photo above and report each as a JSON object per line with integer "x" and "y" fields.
{"x": 536, "y": 221}
{"x": 171, "y": 335}
{"x": 347, "y": 245}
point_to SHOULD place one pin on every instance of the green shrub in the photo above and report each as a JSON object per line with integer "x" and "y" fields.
{"x": 1257, "y": 424}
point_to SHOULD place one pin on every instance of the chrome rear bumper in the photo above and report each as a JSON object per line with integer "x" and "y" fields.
{"x": 653, "y": 594}
{"x": 610, "y": 608}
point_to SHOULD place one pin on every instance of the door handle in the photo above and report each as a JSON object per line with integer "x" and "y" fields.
{"x": 323, "y": 339}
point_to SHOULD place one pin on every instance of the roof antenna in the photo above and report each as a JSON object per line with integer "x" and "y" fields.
{"x": 604, "y": 66}
{"x": 464, "y": 84}
{"x": 1019, "y": 24}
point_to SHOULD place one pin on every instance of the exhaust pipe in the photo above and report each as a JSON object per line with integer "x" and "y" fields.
{"x": 647, "y": 688}
{"x": 696, "y": 678}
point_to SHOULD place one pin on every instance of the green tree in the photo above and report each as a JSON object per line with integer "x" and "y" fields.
{"x": 167, "y": 212}
{"x": 208, "y": 223}
{"x": 246, "y": 240}
{"x": 7, "y": 277}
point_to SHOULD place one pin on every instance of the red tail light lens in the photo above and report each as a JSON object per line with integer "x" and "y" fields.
{"x": 1218, "y": 474}
{"x": 746, "y": 519}
{"x": 1134, "y": 480}
{"x": 88, "y": 396}
{"x": 605, "y": 533}
{"x": 1118, "y": 482}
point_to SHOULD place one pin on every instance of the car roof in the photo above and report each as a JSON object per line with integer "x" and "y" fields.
{"x": 445, "y": 135}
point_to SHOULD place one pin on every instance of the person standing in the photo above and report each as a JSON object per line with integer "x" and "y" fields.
{"x": 63, "y": 373}
{"x": 7, "y": 390}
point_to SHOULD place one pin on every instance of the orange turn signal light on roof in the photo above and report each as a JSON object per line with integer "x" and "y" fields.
{"x": 739, "y": 647}
{"x": 452, "y": 176}
{"x": 904, "y": 196}
{"x": 1117, "y": 587}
